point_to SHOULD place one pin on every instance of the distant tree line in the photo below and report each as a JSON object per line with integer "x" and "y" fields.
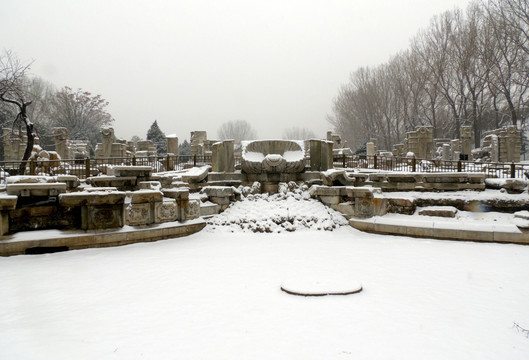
{"x": 467, "y": 68}
{"x": 36, "y": 106}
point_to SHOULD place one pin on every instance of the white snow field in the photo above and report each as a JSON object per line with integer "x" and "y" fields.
{"x": 217, "y": 295}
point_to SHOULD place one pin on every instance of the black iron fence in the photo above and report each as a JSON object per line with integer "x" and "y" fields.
{"x": 83, "y": 168}
{"x": 404, "y": 164}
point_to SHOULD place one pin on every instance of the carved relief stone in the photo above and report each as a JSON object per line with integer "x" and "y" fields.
{"x": 165, "y": 211}
{"x": 192, "y": 210}
{"x": 139, "y": 214}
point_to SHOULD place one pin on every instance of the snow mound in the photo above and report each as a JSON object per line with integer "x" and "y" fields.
{"x": 291, "y": 209}
{"x": 321, "y": 287}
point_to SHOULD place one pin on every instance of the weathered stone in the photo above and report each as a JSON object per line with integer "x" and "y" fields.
{"x": 125, "y": 171}
{"x": 272, "y": 156}
{"x": 139, "y": 214}
{"x": 38, "y": 189}
{"x": 91, "y": 198}
{"x": 146, "y": 196}
{"x": 178, "y": 194}
{"x": 8, "y": 202}
{"x": 192, "y": 210}
{"x": 441, "y": 211}
{"x": 4, "y": 223}
{"x": 218, "y": 191}
{"x": 101, "y": 217}
{"x": 208, "y": 208}
{"x": 223, "y": 200}
{"x": 165, "y": 211}
{"x": 149, "y": 185}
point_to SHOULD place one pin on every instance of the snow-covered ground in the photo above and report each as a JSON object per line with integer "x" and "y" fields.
{"x": 216, "y": 295}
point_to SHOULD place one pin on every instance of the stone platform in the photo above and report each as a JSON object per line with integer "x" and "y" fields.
{"x": 442, "y": 228}
{"x": 28, "y": 242}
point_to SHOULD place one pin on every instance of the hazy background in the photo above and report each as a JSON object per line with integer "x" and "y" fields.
{"x": 193, "y": 65}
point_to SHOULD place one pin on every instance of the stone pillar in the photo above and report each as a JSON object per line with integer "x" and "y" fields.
{"x": 222, "y": 159}
{"x": 447, "y": 154}
{"x": 108, "y": 140}
{"x": 60, "y": 135}
{"x": 455, "y": 145}
{"x": 494, "y": 148}
{"x": 466, "y": 140}
{"x": 172, "y": 145}
{"x": 424, "y": 142}
{"x": 412, "y": 138}
{"x": 513, "y": 142}
{"x": 321, "y": 156}
{"x": 329, "y": 135}
{"x": 370, "y": 149}
{"x": 197, "y": 142}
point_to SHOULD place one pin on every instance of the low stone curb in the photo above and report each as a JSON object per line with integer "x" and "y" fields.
{"x": 504, "y": 233}
{"x": 22, "y": 243}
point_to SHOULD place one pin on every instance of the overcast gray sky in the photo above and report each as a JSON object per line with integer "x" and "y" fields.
{"x": 193, "y": 65}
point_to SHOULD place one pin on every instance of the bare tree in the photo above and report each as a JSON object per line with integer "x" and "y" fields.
{"x": 12, "y": 91}
{"x": 82, "y": 113}
{"x": 237, "y": 130}
{"x": 296, "y": 133}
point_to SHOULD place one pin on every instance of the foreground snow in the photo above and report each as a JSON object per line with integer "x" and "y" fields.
{"x": 217, "y": 296}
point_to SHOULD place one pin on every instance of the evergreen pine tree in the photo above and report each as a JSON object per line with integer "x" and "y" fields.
{"x": 156, "y": 135}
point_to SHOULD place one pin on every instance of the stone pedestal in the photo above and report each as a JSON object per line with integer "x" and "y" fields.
{"x": 370, "y": 149}
{"x": 99, "y": 210}
{"x": 141, "y": 209}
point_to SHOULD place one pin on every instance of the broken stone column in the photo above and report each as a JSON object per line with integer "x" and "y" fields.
{"x": 222, "y": 159}
{"x": 494, "y": 148}
{"x": 447, "y": 153}
{"x": 513, "y": 143}
{"x": 60, "y": 135}
{"x": 413, "y": 142}
{"x": 172, "y": 145}
{"x": 466, "y": 141}
{"x": 371, "y": 149}
{"x": 321, "y": 156}
{"x": 108, "y": 139}
{"x": 197, "y": 142}
{"x": 424, "y": 142}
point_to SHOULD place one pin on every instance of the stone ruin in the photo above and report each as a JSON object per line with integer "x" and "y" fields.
{"x": 111, "y": 146}
{"x": 500, "y": 145}
{"x": 200, "y": 145}
{"x": 338, "y": 147}
{"x": 15, "y": 144}
{"x": 422, "y": 145}
{"x": 70, "y": 149}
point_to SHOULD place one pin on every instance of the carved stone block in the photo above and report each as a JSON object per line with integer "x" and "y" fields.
{"x": 192, "y": 210}
{"x": 165, "y": 211}
{"x": 139, "y": 214}
{"x": 101, "y": 217}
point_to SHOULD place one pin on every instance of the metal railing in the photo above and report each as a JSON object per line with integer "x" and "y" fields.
{"x": 395, "y": 163}
{"x": 83, "y": 168}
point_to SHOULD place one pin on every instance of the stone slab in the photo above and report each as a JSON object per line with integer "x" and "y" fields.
{"x": 8, "y": 202}
{"x": 91, "y": 198}
{"x": 218, "y": 191}
{"x": 208, "y": 208}
{"x": 38, "y": 189}
{"x": 178, "y": 194}
{"x": 145, "y": 196}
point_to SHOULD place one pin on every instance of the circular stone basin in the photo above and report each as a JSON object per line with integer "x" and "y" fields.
{"x": 312, "y": 287}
